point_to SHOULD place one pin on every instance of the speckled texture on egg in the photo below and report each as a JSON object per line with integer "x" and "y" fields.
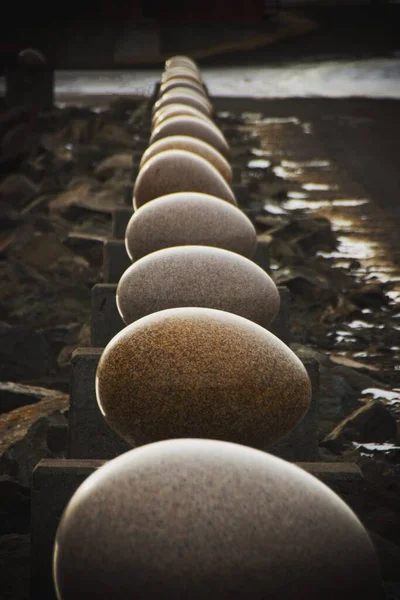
{"x": 194, "y": 127}
{"x": 199, "y": 372}
{"x": 179, "y": 171}
{"x": 189, "y": 218}
{"x": 197, "y": 276}
{"x": 192, "y": 144}
{"x": 204, "y": 519}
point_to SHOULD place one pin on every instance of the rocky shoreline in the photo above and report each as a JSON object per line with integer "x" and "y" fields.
{"x": 61, "y": 174}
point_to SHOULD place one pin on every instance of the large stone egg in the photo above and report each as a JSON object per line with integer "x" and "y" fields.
{"x": 200, "y": 372}
{"x": 195, "y": 145}
{"x": 197, "y": 276}
{"x": 205, "y": 519}
{"x": 175, "y": 110}
{"x": 193, "y": 127}
{"x": 179, "y": 171}
{"x": 183, "y": 96}
{"x": 175, "y": 82}
{"x": 189, "y": 218}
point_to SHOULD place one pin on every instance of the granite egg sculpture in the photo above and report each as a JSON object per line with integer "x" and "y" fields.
{"x": 189, "y": 218}
{"x": 197, "y": 276}
{"x": 192, "y": 144}
{"x": 205, "y": 519}
{"x": 179, "y": 171}
{"x": 193, "y": 127}
{"x": 183, "y": 96}
{"x": 175, "y": 82}
{"x": 200, "y": 372}
{"x": 175, "y": 110}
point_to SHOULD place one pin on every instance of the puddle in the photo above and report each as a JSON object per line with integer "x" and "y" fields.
{"x": 318, "y": 186}
{"x": 259, "y": 163}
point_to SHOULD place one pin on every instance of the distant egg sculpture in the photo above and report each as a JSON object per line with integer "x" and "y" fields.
{"x": 180, "y": 60}
{"x": 191, "y": 144}
{"x": 181, "y": 71}
{"x": 197, "y": 276}
{"x": 175, "y": 110}
{"x": 189, "y": 218}
{"x": 175, "y": 82}
{"x": 199, "y": 372}
{"x": 193, "y": 127}
{"x": 182, "y": 96}
{"x": 178, "y": 171}
{"x": 205, "y": 519}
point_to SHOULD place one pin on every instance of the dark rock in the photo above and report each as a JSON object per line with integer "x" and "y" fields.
{"x": 15, "y": 395}
{"x": 24, "y": 354}
{"x": 370, "y": 423}
{"x": 14, "y": 506}
{"x": 15, "y": 566}
{"x": 17, "y": 190}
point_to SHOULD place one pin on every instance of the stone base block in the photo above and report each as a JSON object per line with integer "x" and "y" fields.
{"x": 91, "y": 437}
{"x": 55, "y": 481}
{"x": 120, "y": 220}
{"x": 115, "y": 260}
{"x": 106, "y": 320}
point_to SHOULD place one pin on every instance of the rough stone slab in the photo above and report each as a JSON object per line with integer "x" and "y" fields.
{"x": 302, "y": 442}
{"x": 53, "y": 484}
{"x": 55, "y": 481}
{"x": 120, "y": 220}
{"x": 107, "y": 322}
{"x": 115, "y": 260}
{"x": 91, "y": 437}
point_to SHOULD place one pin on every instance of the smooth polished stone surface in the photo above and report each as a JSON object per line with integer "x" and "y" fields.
{"x": 189, "y": 218}
{"x": 205, "y": 519}
{"x": 175, "y": 110}
{"x": 193, "y": 127}
{"x": 192, "y": 144}
{"x": 179, "y": 171}
{"x": 197, "y": 276}
{"x": 199, "y": 372}
{"x": 175, "y": 82}
{"x": 182, "y": 96}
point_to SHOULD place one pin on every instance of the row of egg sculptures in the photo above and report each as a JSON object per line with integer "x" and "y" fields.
{"x": 197, "y": 381}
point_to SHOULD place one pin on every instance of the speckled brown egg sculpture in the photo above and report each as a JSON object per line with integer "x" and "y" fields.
{"x": 176, "y": 110}
{"x": 183, "y": 96}
{"x": 197, "y": 276}
{"x": 189, "y": 218}
{"x": 193, "y": 127}
{"x": 179, "y": 171}
{"x": 200, "y": 372}
{"x": 204, "y": 519}
{"x": 186, "y": 142}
